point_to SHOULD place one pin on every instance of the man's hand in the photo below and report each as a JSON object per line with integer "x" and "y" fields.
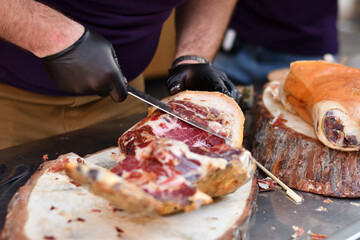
{"x": 200, "y": 26}
{"x": 88, "y": 66}
{"x": 78, "y": 61}
{"x": 203, "y": 77}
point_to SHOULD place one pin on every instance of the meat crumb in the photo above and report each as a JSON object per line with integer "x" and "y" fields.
{"x": 72, "y": 182}
{"x": 266, "y": 184}
{"x": 119, "y": 231}
{"x": 45, "y": 157}
{"x": 80, "y": 219}
{"x": 321, "y": 209}
{"x": 117, "y": 209}
{"x": 328, "y": 200}
{"x": 59, "y": 165}
{"x": 278, "y": 119}
{"x": 355, "y": 204}
{"x": 298, "y": 232}
{"x": 49, "y": 237}
{"x": 316, "y": 236}
{"x": 272, "y": 228}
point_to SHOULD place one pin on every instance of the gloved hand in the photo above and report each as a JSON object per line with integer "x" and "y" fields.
{"x": 202, "y": 77}
{"x": 88, "y": 66}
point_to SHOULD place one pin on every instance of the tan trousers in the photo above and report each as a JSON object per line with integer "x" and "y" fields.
{"x": 27, "y": 116}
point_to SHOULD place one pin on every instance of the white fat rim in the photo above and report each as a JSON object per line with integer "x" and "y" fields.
{"x": 350, "y": 127}
{"x": 275, "y": 107}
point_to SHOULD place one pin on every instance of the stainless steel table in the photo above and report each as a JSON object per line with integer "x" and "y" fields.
{"x": 274, "y": 218}
{"x": 276, "y": 214}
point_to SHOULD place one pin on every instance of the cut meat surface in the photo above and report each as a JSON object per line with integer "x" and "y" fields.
{"x": 159, "y": 125}
{"x": 168, "y": 169}
{"x": 175, "y": 166}
{"x": 215, "y": 110}
{"x": 161, "y": 169}
{"x": 170, "y": 166}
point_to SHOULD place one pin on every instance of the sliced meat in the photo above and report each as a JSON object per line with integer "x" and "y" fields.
{"x": 171, "y": 165}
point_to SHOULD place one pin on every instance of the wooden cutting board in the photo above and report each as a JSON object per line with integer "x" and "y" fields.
{"x": 51, "y": 206}
{"x": 288, "y": 147}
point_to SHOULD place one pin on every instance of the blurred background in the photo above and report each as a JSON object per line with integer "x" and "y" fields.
{"x": 349, "y": 32}
{"x": 348, "y": 26}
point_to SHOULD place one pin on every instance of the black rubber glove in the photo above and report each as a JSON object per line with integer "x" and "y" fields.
{"x": 202, "y": 77}
{"x": 88, "y": 66}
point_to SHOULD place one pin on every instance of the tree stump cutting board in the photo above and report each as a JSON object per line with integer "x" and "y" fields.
{"x": 51, "y": 206}
{"x": 287, "y": 146}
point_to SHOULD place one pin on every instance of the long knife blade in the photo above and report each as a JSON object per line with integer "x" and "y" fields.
{"x": 162, "y": 106}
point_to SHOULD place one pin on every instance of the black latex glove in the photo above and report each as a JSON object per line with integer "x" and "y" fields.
{"x": 88, "y": 66}
{"x": 202, "y": 77}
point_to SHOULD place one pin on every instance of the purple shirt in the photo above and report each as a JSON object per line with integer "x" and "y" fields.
{"x": 133, "y": 27}
{"x": 306, "y": 27}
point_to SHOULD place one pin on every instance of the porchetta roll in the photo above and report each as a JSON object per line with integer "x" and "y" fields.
{"x": 327, "y": 95}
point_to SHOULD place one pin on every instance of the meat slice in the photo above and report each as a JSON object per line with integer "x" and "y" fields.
{"x": 159, "y": 125}
{"x": 167, "y": 176}
{"x": 166, "y": 165}
{"x": 214, "y": 109}
{"x": 167, "y": 170}
{"x": 326, "y": 95}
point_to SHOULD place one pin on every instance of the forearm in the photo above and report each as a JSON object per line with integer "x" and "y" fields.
{"x": 37, "y": 28}
{"x": 200, "y": 26}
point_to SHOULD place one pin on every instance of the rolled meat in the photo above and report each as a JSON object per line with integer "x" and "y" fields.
{"x": 326, "y": 95}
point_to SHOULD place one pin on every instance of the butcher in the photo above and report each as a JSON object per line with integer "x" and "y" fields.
{"x": 64, "y": 65}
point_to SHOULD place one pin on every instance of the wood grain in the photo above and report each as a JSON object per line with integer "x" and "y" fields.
{"x": 302, "y": 162}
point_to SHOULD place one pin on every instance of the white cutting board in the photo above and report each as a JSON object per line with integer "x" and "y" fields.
{"x": 78, "y": 214}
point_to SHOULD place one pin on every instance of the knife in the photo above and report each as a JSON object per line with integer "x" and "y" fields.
{"x": 178, "y": 114}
